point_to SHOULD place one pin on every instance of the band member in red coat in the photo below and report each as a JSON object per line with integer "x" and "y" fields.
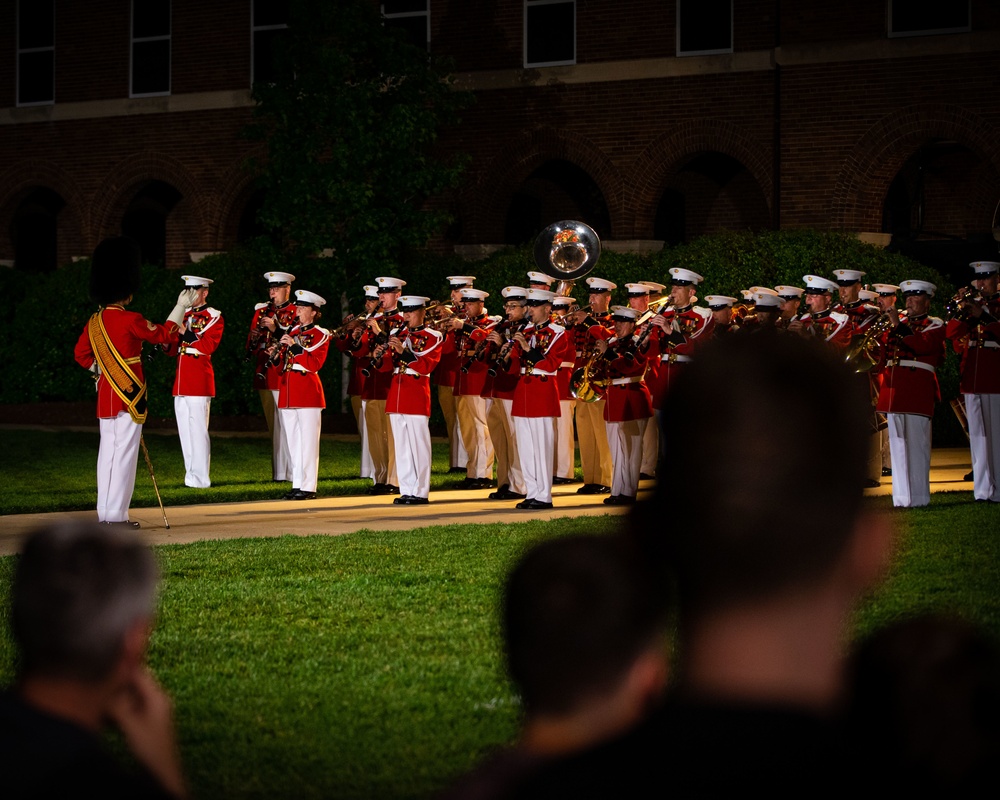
{"x": 348, "y": 343}
{"x": 270, "y": 321}
{"x": 111, "y": 347}
{"x": 500, "y": 388}
{"x": 914, "y": 350}
{"x": 885, "y": 299}
{"x": 464, "y": 335}
{"x": 564, "y": 463}
{"x": 638, "y": 297}
{"x": 194, "y": 384}
{"x": 536, "y": 401}
{"x": 821, "y": 321}
{"x": 410, "y": 355}
{"x": 300, "y": 354}
{"x": 975, "y": 335}
{"x": 444, "y": 377}
{"x": 628, "y": 405}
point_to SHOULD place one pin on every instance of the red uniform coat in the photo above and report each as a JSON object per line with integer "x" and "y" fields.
{"x": 674, "y": 350}
{"x": 266, "y": 376}
{"x": 907, "y": 388}
{"x": 127, "y": 331}
{"x": 444, "y": 375}
{"x": 376, "y": 384}
{"x": 834, "y": 327}
{"x": 503, "y": 385}
{"x": 410, "y": 390}
{"x": 537, "y": 393}
{"x": 300, "y": 385}
{"x": 631, "y": 400}
{"x": 202, "y": 332}
{"x": 349, "y": 344}
{"x": 568, "y": 365}
{"x": 977, "y": 343}
{"x": 470, "y": 377}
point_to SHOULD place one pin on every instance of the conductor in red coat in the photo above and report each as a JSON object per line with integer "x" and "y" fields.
{"x": 411, "y": 354}
{"x": 300, "y": 354}
{"x": 111, "y": 347}
{"x": 194, "y": 384}
{"x": 536, "y": 400}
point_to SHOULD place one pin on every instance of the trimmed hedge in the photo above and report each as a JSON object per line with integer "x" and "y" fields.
{"x": 41, "y": 368}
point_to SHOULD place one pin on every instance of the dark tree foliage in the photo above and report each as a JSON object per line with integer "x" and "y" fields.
{"x": 350, "y": 125}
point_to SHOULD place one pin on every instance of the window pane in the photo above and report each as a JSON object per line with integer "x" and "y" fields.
{"x": 150, "y": 18}
{"x": 35, "y": 23}
{"x": 929, "y": 15}
{"x": 151, "y": 67}
{"x": 35, "y": 77}
{"x": 263, "y": 54}
{"x": 705, "y": 25}
{"x": 413, "y": 29}
{"x": 550, "y": 33}
{"x": 403, "y": 6}
{"x": 270, "y": 12}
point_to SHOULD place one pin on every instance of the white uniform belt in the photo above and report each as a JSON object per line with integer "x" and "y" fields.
{"x": 990, "y": 344}
{"x": 623, "y": 381}
{"x": 672, "y": 358}
{"x": 567, "y": 365}
{"x": 524, "y": 371}
{"x": 581, "y": 353}
{"x": 903, "y": 362}
{"x": 191, "y": 351}
{"x": 300, "y": 368}
{"x": 414, "y": 373}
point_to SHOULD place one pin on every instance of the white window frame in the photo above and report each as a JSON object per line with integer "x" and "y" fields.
{"x": 930, "y": 31}
{"x": 536, "y": 4}
{"x": 23, "y": 50}
{"x": 133, "y": 40}
{"x": 254, "y": 28}
{"x": 403, "y": 14}
{"x": 722, "y": 51}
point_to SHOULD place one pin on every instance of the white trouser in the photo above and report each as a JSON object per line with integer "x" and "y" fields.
{"x": 565, "y": 461}
{"x": 910, "y": 443}
{"x": 651, "y": 445}
{"x": 983, "y": 411}
{"x": 301, "y": 427}
{"x": 592, "y": 434}
{"x": 884, "y": 444}
{"x": 380, "y": 445}
{"x": 412, "y": 440}
{"x": 116, "y": 462}
{"x": 625, "y": 440}
{"x": 536, "y": 437}
{"x": 358, "y": 407}
{"x": 471, "y": 411}
{"x": 446, "y": 399}
{"x": 281, "y": 467}
{"x": 192, "y": 426}
{"x": 505, "y": 445}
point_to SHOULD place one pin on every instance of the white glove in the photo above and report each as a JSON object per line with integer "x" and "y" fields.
{"x": 184, "y": 301}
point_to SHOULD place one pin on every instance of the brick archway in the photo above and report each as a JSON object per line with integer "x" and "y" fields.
{"x": 489, "y": 198}
{"x": 235, "y": 189}
{"x": 647, "y": 175}
{"x": 19, "y": 181}
{"x": 881, "y": 152}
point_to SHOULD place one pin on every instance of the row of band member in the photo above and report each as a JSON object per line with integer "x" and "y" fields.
{"x": 506, "y": 383}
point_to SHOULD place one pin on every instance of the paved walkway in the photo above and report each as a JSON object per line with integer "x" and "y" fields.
{"x": 336, "y": 515}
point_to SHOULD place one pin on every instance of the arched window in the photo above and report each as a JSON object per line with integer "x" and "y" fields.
{"x": 145, "y": 219}
{"x": 555, "y": 191}
{"x": 34, "y": 231}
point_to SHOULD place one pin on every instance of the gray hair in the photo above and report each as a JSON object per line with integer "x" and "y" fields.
{"x": 78, "y": 589}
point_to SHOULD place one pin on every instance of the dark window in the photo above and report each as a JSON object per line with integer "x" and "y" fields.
{"x": 549, "y": 32}
{"x": 704, "y": 26}
{"x": 34, "y": 231}
{"x": 150, "y": 47}
{"x": 145, "y": 220}
{"x": 36, "y": 52}
{"x": 268, "y": 24}
{"x": 412, "y": 18}
{"x": 921, "y": 17}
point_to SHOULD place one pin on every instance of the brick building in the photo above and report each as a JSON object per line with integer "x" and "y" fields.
{"x": 654, "y": 120}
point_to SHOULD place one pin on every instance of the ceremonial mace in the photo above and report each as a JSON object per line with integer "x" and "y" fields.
{"x": 152, "y": 477}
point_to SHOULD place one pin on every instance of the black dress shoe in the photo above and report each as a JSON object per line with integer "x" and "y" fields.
{"x": 871, "y": 483}
{"x": 390, "y": 489}
{"x": 506, "y": 494}
{"x": 501, "y": 493}
{"x": 123, "y": 523}
{"x": 290, "y": 495}
{"x": 645, "y": 476}
{"x": 968, "y": 476}
{"x": 533, "y": 505}
{"x": 619, "y": 500}
{"x": 378, "y": 488}
{"x": 401, "y": 500}
{"x": 593, "y": 488}
{"x": 886, "y": 472}
{"x": 300, "y": 495}
{"x": 456, "y": 470}
{"x": 557, "y": 481}
{"x": 411, "y": 500}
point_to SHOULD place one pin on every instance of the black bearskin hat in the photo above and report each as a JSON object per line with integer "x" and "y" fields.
{"x": 114, "y": 270}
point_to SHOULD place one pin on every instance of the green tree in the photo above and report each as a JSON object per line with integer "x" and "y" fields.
{"x": 350, "y": 125}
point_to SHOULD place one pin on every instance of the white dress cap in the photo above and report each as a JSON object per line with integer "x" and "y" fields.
{"x": 469, "y": 293}
{"x": 458, "y": 281}
{"x": 371, "y": 291}
{"x": 514, "y": 292}
{"x": 390, "y": 284}
{"x": 656, "y": 287}
{"x": 279, "y": 278}
{"x": 600, "y": 285}
{"x": 638, "y": 289}
{"x": 985, "y": 267}
{"x": 763, "y": 290}
{"x": 818, "y": 285}
{"x": 918, "y": 287}
{"x": 682, "y": 277}
{"x": 194, "y": 280}
{"x": 304, "y": 298}
{"x": 848, "y": 276}
{"x": 562, "y": 300}
{"x": 624, "y": 314}
{"x": 789, "y": 292}
{"x": 885, "y": 289}
{"x": 867, "y": 295}
{"x": 411, "y": 302}
{"x": 717, "y": 301}
{"x": 536, "y": 295}
{"x": 540, "y": 277}
{"x": 765, "y": 301}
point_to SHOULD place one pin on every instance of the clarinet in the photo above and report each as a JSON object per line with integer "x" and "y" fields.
{"x": 501, "y": 361}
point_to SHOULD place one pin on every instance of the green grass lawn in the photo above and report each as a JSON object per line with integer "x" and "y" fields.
{"x": 368, "y": 665}
{"x": 44, "y": 471}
